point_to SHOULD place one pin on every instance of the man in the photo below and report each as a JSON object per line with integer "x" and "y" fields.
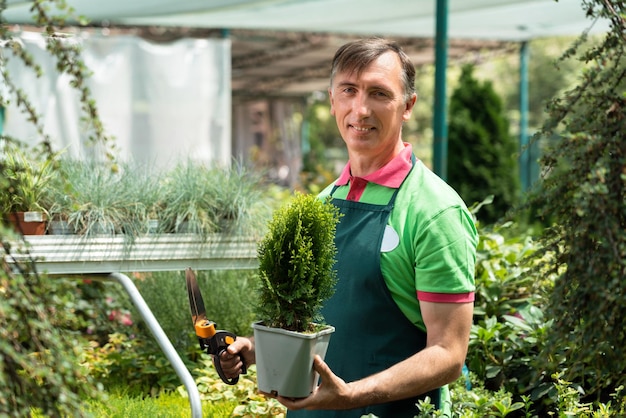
{"x": 406, "y": 244}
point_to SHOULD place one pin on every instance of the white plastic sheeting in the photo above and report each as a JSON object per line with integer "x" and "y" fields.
{"x": 161, "y": 102}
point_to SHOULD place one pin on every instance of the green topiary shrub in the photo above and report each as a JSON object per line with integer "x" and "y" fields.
{"x": 296, "y": 259}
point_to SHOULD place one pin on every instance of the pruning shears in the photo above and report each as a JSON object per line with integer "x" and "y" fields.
{"x": 212, "y": 341}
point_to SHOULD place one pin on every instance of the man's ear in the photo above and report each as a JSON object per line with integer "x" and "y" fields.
{"x": 409, "y": 105}
{"x": 332, "y": 101}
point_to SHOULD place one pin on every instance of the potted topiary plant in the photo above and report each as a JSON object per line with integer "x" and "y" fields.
{"x": 27, "y": 176}
{"x": 296, "y": 269}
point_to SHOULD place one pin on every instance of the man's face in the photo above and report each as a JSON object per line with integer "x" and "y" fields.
{"x": 370, "y": 107}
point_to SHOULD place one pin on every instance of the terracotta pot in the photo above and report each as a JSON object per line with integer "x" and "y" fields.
{"x": 28, "y": 223}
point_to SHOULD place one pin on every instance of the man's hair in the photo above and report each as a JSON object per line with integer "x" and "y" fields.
{"x": 355, "y": 56}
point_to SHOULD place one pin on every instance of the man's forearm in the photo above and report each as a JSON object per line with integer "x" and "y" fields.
{"x": 429, "y": 369}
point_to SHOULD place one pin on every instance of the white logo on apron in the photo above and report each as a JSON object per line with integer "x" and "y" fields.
{"x": 390, "y": 240}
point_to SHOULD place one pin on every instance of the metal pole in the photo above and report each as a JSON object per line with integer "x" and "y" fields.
{"x": 440, "y": 127}
{"x": 165, "y": 344}
{"x": 524, "y": 156}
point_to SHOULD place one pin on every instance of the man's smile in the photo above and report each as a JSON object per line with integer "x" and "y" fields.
{"x": 362, "y": 129}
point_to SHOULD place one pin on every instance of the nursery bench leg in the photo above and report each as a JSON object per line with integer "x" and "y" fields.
{"x": 161, "y": 337}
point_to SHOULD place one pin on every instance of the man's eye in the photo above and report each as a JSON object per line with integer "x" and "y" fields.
{"x": 380, "y": 94}
{"x": 349, "y": 90}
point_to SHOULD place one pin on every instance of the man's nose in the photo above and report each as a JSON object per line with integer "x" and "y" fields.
{"x": 362, "y": 105}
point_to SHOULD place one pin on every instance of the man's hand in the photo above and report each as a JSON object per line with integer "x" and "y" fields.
{"x": 231, "y": 359}
{"x": 333, "y": 393}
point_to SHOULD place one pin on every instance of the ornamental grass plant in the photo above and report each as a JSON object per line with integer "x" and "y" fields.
{"x": 207, "y": 199}
{"x": 98, "y": 199}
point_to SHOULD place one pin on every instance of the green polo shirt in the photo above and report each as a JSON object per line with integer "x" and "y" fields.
{"x": 429, "y": 248}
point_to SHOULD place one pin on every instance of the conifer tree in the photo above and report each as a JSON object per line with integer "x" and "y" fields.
{"x": 481, "y": 152}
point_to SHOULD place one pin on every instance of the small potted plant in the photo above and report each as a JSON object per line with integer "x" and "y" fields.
{"x": 27, "y": 178}
{"x": 210, "y": 199}
{"x": 296, "y": 269}
{"x": 188, "y": 208}
{"x": 102, "y": 199}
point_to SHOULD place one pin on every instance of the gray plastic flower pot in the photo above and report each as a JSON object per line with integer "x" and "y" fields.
{"x": 284, "y": 359}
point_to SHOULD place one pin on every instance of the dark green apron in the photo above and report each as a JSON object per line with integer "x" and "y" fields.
{"x": 371, "y": 332}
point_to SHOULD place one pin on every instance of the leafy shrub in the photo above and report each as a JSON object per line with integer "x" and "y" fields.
{"x": 39, "y": 350}
{"x": 101, "y": 309}
{"x": 504, "y": 282}
{"x": 137, "y": 363}
{"x": 509, "y": 327}
{"x": 245, "y": 393}
{"x": 478, "y": 402}
{"x": 584, "y": 192}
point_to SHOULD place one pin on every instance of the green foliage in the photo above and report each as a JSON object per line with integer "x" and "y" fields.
{"x": 479, "y": 402}
{"x": 218, "y": 399}
{"x": 125, "y": 359}
{"x": 504, "y": 282}
{"x": 584, "y": 193}
{"x": 99, "y": 310}
{"x": 39, "y": 367}
{"x": 296, "y": 260}
{"x": 481, "y": 152}
{"x": 571, "y": 404}
{"x": 509, "y": 326}
{"x": 123, "y": 198}
{"x": 25, "y": 174}
{"x": 511, "y": 330}
{"x": 122, "y": 349}
{"x": 204, "y": 200}
{"x": 121, "y": 404}
{"x": 96, "y": 198}
{"x": 250, "y": 402}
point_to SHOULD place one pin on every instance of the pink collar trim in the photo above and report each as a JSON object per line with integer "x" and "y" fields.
{"x": 391, "y": 175}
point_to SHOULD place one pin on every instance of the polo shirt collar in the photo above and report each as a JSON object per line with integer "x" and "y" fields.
{"x": 390, "y": 175}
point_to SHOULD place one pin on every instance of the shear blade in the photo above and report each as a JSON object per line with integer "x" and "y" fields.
{"x": 198, "y": 313}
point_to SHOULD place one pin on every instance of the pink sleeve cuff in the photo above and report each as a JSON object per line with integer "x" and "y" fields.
{"x": 445, "y": 297}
